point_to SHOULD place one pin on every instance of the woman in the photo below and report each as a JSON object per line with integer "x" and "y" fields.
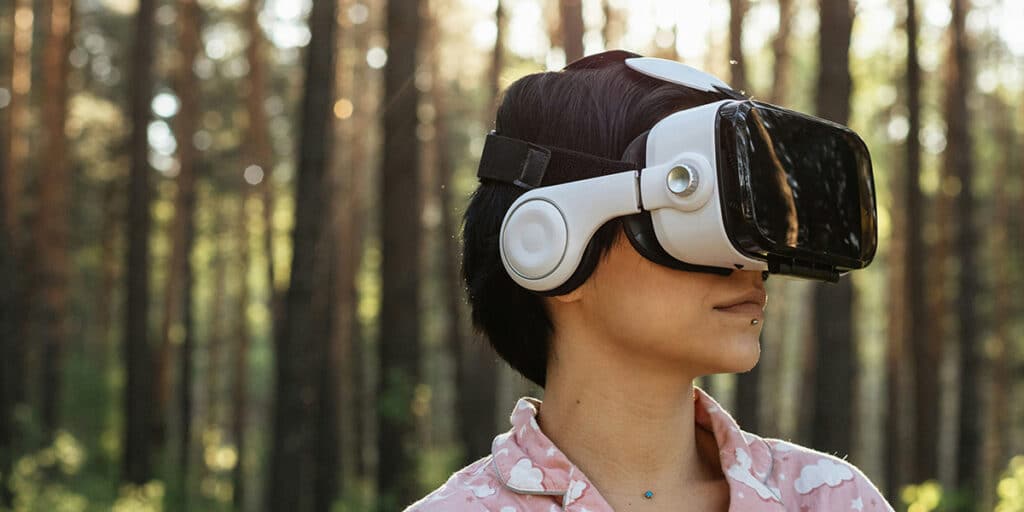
{"x": 621, "y": 426}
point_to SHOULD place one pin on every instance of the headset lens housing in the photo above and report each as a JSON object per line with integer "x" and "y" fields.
{"x": 795, "y": 190}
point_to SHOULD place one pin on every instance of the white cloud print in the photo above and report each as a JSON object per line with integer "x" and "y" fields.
{"x": 740, "y": 471}
{"x": 824, "y": 472}
{"x": 576, "y": 488}
{"x": 526, "y": 477}
{"x": 481, "y": 491}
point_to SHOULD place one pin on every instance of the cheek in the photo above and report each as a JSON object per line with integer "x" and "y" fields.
{"x": 676, "y": 307}
{"x": 651, "y": 306}
{"x": 657, "y": 314}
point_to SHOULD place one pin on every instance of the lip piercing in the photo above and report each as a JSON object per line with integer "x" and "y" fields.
{"x": 755, "y": 322}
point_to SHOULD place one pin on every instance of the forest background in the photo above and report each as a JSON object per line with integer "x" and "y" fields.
{"x": 229, "y": 242}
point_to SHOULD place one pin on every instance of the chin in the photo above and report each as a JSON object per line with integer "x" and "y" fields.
{"x": 739, "y": 354}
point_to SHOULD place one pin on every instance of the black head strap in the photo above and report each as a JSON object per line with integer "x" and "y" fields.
{"x": 526, "y": 165}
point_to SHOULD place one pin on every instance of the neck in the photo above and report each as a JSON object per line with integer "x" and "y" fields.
{"x": 626, "y": 423}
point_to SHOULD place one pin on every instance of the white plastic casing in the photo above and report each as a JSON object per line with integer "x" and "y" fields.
{"x": 676, "y": 72}
{"x": 693, "y": 233}
{"x": 546, "y": 229}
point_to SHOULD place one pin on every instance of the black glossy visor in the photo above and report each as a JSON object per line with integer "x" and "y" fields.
{"x": 796, "y": 190}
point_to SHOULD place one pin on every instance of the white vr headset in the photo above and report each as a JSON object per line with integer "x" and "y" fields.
{"x": 734, "y": 184}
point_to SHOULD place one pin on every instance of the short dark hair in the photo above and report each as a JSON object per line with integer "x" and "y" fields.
{"x": 597, "y": 110}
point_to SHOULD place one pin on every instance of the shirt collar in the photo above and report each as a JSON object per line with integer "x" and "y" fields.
{"x": 527, "y": 462}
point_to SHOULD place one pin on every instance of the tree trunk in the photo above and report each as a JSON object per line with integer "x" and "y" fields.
{"x": 571, "y": 12}
{"x": 904, "y": 456}
{"x": 737, "y": 65}
{"x": 301, "y": 339}
{"x": 326, "y": 307}
{"x": 364, "y": 96}
{"x": 497, "y": 64}
{"x": 178, "y": 291}
{"x": 959, "y": 162}
{"x": 835, "y": 354}
{"x": 350, "y": 218}
{"x": 806, "y": 356}
{"x": 243, "y": 338}
{"x": 348, "y": 256}
{"x": 926, "y": 349}
{"x": 205, "y": 411}
{"x": 8, "y": 331}
{"x": 218, "y": 323}
{"x": 12, "y": 311}
{"x": 325, "y": 304}
{"x": 999, "y": 427}
{"x": 240, "y": 372}
{"x": 780, "y": 48}
{"x": 259, "y": 153}
{"x": 7, "y": 338}
{"x": 53, "y": 215}
{"x": 17, "y": 141}
{"x": 772, "y": 363}
{"x": 476, "y": 369}
{"x": 897, "y": 434}
{"x": 748, "y": 383}
{"x": 112, "y": 208}
{"x": 262, "y": 151}
{"x": 909, "y": 449}
{"x": 748, "y": 397}
{"x": 611, "y": 32}
{"x": 400, "y": 210}
{"x": 138, "y": 364}
{"x": 180, "y": 300}
{"x": 186, "y": 372}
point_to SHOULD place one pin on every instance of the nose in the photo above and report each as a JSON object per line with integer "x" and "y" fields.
{"x": 755, "y": 277}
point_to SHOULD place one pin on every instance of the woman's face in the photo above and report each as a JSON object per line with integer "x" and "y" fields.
{"x": 668, "y": 317}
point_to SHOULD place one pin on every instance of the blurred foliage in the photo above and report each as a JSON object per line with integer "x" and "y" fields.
{"x": 1011, "y": 487}
{"x": 923, "y": 497}
{"x": 140, "y": 498}
{"x": 39, "y": 479}
{"x": 929, "y": 495}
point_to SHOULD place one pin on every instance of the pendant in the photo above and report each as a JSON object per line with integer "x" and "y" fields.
{"x": 648, "y": 494}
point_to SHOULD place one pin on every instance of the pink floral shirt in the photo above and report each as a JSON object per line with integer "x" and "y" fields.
{"x": 526, "y": 472}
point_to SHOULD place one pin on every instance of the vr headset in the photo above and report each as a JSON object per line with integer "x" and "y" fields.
{"x": 733, "y": 184}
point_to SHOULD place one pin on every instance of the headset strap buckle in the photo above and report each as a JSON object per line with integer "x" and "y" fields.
{"x": 525, "y": 164}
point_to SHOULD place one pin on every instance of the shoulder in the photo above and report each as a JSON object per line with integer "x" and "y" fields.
{"x": 473, "y": 488}
{"x": 808, "y": 479}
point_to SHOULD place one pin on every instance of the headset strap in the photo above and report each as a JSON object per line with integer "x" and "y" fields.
{"x": 525, "y": 164}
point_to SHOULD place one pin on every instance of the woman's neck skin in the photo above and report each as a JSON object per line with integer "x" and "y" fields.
{"x": 625, "y": 420}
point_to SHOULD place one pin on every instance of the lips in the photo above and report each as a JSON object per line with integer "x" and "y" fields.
{"x": 743, "y": 308}
{"x": 750, "y": 303}
{"x": 756, "y": 297}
